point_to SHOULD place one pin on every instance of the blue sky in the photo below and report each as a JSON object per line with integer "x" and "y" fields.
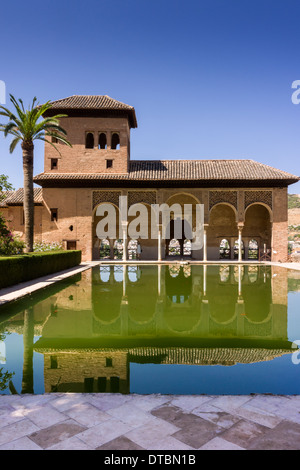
{"x": 208, "y": 78}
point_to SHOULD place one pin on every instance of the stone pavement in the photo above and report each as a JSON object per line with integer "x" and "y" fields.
{"x": 76, "y": 421}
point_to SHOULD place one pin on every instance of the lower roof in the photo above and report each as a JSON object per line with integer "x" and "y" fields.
{"x": 178, "y": 172}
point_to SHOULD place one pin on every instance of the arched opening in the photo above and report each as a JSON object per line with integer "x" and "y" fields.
{"x": 257, "y": 227}
{"x": 105, "y": 230}
{"x": 133, "y": 249}
{"x": 236, "y": 249}
{"x": 102, "y": 143}
{"x": 89, "y": 140}
{"x": 187, "y": 248}
{"x": 253, "y": 249}
{"x": 174, "y": 248}
{"x": 115, "y": 141}
{"x": 118, "y": 249}
{"x": 183, "y": 221}
{"x": 179, "y": 246}
{"x": 224, "y": 250}
{"x": 222, "y": 226}
{"x": 104, "y": 249}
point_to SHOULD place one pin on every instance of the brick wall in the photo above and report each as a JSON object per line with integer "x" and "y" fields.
{"x": 79, "y": 159}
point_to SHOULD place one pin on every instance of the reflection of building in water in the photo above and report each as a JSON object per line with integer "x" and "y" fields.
{"x": 178, "y": 315}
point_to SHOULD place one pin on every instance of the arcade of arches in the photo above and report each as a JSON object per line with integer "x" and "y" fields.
{"x": 235, "y": 226}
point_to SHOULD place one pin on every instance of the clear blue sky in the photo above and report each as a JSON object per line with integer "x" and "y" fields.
{"x": 208, "y": 78}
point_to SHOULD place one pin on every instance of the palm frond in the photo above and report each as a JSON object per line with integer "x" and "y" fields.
{"x": 29, "y": 125}
{"x": 14, "y": 144}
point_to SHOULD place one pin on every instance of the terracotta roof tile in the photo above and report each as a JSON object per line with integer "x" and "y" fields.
{"x": 4, "y": 195}
{"x": 93, "y": 102}
{"x": 182, "y": 170}
{"x": 16, "y": 198}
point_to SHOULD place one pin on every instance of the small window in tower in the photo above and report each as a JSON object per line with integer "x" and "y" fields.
{"x": 115, "y": 141}
{"x": 54, "y": 163}
{"x": 54, "y": 140}
{"x": 89, "y": 141}
{"x": 102, "y": 141}
{"x": 53, "y": 215}
{"x": 109, "y": 163}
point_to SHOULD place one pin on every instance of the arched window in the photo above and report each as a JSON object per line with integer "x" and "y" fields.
{"x": 224, "y": 249}
{"x": 236, "y": 249}
{"x": 89, "y": 141}
{"x": 102, "y": 144}
{"x": 187, "y": 248}
{"x": 118, "y": 249}
{"x": 132, "y": 249}
{"x": 115, "y": 141}
{"x": 253, "y": 249}
{"x": 104, "y": 249}
{"x": 174, "y": 247}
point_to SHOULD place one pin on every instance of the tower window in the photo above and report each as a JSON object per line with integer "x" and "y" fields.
{"x": 102, "y": 141}
{"x": 54, "y": 162}
{"x": 109, "y": 163}
{"x": 89, "y": 140}
{"x": 115, "y": 141}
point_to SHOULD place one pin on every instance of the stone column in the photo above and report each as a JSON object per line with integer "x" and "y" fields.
{"x": 240, "y": 228}
{"x": 159, "y": 243}
{"x": 205, "y": 242}
{"x": 124, "y": 228}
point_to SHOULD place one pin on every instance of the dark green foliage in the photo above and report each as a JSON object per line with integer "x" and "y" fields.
{"x": 16, "y": 269}
{"x": 9, "y": 244}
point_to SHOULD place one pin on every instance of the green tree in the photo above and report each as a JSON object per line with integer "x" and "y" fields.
{"x": 5, "y": 184}
{"x": 26, "y": 126}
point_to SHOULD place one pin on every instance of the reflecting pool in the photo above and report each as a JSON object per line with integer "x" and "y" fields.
{"x": 171, "y": 329}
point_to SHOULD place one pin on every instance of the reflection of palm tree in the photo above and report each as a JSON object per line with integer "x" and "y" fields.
{"x": 28, "y": 336}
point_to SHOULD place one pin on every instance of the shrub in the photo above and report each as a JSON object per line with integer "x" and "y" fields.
{"x": 16, "y": 269}
{"x": 9, "y": 245}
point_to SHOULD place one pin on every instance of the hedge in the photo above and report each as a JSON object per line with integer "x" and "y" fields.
{"x": 22, "y": 268}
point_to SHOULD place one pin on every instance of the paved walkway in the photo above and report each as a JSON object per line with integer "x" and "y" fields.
{"x": 155, "y": 422}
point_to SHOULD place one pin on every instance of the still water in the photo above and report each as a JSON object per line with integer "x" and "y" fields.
{"x": 178, "y": 329}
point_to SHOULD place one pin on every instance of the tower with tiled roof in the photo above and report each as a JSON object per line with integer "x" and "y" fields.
{"x": 98, "y": 127}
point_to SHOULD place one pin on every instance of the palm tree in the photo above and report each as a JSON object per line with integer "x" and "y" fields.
{"x": 26, "y": 126}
